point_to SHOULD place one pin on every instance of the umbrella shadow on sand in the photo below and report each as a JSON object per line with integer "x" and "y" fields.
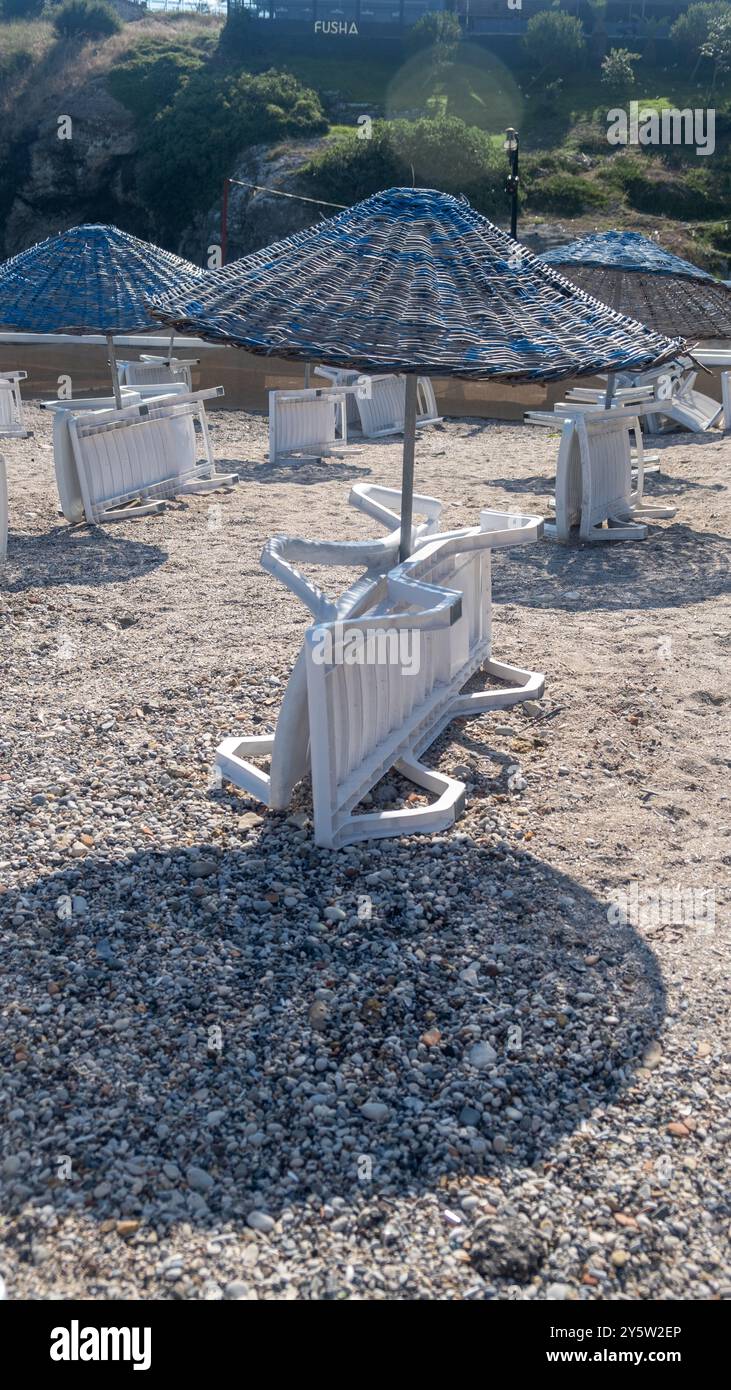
{"x": 306, "y": 472}
{"x": 87, "y": 557}
{"x": 155, "y": 1001}
{"x": 657, "y": 485}
{"x": 674, "y": 567}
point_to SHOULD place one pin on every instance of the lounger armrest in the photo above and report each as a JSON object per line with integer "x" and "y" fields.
{"x": 510, "y": 528}
{"x": 281, "y": 553}
{"x": 442, "y": 608}
{"x": 384, "y": 504}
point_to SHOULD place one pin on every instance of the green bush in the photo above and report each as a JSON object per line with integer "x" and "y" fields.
{"x": 87, "y": 19}
{"x": 618, "y": 74}
{"x": 444, "y": 154}
{"x": 554, "y": 43}
{"x": 150, "y": 77}
{"x": 436, "y": 29}
{"x": 352, "y": 168}
{"x": 567, "y": 194}
{"x": 691, "y": 30}
{"x": 719, "y": 235}
{"x": 190, "y": 147}
{"x": 652, "y": 186}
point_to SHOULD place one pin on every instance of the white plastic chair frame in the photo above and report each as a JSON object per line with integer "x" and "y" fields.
{"x": 12, "y": 422}
{"x": 288, "y": 747}
{"x": 380, "y": 400}
{"x": 594, "y": 480}
{"x": 571, "y": 410}
{"x": 367, "y": 719}
{"x": 67, "y": 478}
{"x": 129, "y": 461}
{"x": 675, "y": 396}
{"x": 311, "y": 423}
{"x": 669, "y": 389}
{"x": 362, "y": 720}
{"x": 157, "y": 371}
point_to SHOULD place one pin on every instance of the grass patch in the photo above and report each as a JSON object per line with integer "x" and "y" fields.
{"x": 22, "y": 46}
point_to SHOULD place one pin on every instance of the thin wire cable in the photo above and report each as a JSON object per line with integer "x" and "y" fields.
{"x": 320, "y": 202}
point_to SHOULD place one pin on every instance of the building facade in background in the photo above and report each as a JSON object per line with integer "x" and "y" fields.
{"x": 623, "y": 18}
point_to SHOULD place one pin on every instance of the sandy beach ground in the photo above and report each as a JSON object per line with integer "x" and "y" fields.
{"x": 194, "y": 1015}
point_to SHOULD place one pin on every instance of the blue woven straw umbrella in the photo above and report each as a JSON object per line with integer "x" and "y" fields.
{"x": 636, "y": 276}
{"x": 412, "y": 281}
{"x": 90, "y": 279}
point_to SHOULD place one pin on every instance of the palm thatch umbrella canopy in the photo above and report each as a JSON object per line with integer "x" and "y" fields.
{"x": 636, "y": 276}
{"x": 90, "y": 279}
{"x": 413, "y": 281}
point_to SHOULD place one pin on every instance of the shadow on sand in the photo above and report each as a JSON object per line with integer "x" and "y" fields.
{"x": 169, "y": 1020}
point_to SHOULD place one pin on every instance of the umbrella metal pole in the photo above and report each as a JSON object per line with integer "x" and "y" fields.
{"x": 407, "y": 475}
{"x": 609, "y": 393}
{"x": 170, "y": 348}
{"x": 115, "y": 374}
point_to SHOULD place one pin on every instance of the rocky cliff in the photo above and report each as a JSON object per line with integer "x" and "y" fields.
{"x": 68, "y": 154}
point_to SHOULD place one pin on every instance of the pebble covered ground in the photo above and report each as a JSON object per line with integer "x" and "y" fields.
{"x": 235, "y": 1066}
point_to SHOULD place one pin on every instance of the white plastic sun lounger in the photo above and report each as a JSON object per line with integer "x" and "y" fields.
{"x": 3, "y": 510}
{"x": 143, "y": 454}
{"x": 594, "y": 485}
{"x": 690, "y": 408}
{"x": 67, "y": 478}
{"x": 668, "y": 389}
{"x": 553, "y": 419}
{"x": 288, "y": 748}
{"x": 363, "y": 718}
{"x": 12, "y": 422}
{"x": 307, "y": 424}
{"x": 158, "y": 371}
{"x": 380, "y": 401}
{"x": 369, "y": 717}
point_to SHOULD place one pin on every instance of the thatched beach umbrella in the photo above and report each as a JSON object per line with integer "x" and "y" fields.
{"x": 635, "y": 276}
{"x": 90, "y": 279}
{"x": 412, "y": 281}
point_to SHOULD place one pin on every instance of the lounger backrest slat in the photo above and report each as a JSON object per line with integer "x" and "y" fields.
{"x": 382, "y": 407}
{"x": 379, "y": 402}
{"x": 7, "y": 405}
{"x": 607, "y": 472}
{"x": 372, "y": 706}
{"x": 305, "y": 422}
{"x": 11, "y": 404}
{"x": 119, "y": 460}
{"x": 153, "y": 373}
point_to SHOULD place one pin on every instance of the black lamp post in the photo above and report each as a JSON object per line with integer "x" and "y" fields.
{"x": 512, "y": 146}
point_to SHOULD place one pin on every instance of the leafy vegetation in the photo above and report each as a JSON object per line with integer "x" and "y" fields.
{"x": 554, "y": 43}
{"x": 85, "y": 19}
{"x": 191, "y": 145}
{"x": 649, "y": 184}
{"x": 691, "y": 30}
{"x": 566, "y": 194}
{"x": 23, "y": 46}
{"x": 200, "y": 95}
{"x": 444, "y": 154}
{"x": 438, "y": 29}
{"x": 618, "y": 73}
{"x": 152, "y": 73}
